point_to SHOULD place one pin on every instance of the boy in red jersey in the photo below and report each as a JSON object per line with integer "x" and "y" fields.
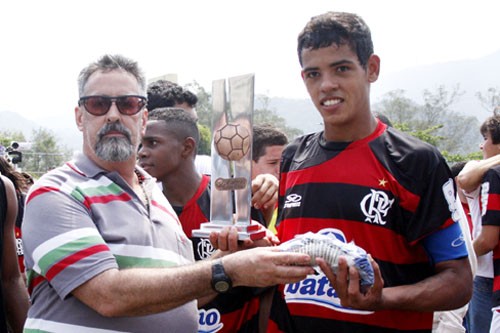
{"x": 479, "y": 179}
{"x": 365, "y": 182}
{"x": 168, "y": 153}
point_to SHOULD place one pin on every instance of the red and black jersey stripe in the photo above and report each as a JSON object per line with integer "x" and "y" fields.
{"x": 385, "y": 193}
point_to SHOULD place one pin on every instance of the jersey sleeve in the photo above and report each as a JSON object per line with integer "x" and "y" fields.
{"x": 437, "y": 208}
{"x": 491, "y": 197}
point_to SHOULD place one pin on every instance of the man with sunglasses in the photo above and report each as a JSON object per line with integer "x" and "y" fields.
{"x": 103, "y": 246}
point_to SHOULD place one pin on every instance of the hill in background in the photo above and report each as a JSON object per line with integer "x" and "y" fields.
{"x": 476, "y": 75}
{"x": 64, "y": 128}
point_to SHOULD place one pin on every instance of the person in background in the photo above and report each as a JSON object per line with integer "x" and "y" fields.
{"x": 456, "y": 168}
{"x": 164, "y": 93}
{"x": 168, "y": 149}
{"x": 476, "y": 188}
{"x": 167, "y": 152}
{"x": 115, "y": 257}
{"x": 455, "y": 321}
{"x": 21, "y": 185}
{"x": 28, "y": 181}
{"x": 489, "y": 236}
{"x": 14, "y": 299}
{"x": 268, "y": 143}
{"x": 365, "y": 182}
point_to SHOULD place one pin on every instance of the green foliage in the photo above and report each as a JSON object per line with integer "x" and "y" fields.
{"x": 265, "y": 115}
{"x": 45, "y": 153}
{"x": 425, "y": 135}
{"x": 204, "y": 146}
{"x": 6, "y": 137}
{"x": 453, "y": 158}
{"x": 204, "y": 105}
{"x": 434, "y": 121}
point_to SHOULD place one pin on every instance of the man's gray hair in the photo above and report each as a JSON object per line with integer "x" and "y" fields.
{"x": 112, "y": 62}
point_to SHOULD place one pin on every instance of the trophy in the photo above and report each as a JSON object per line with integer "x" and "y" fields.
{"x": 230, "y": 202}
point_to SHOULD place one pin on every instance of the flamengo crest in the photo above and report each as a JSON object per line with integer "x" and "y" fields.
{"x": 375, "y": 207}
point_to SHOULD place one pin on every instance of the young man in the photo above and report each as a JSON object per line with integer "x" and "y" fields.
{"x": 478, "y": 180}
{"x": 103, "y": 247}
{"x": 167, "y": 153}
{"x": 456, "y": 321}
{"x": 487, "y": 240}
{"x": 163, "y": 94}
{"x": 267, "y": 146}
{"x": 365, "y": 182}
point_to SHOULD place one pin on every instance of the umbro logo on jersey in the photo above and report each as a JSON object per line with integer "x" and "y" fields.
{"x": 293, "y": 200}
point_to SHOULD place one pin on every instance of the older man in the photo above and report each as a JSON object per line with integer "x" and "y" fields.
{"x": 103, "y": 247}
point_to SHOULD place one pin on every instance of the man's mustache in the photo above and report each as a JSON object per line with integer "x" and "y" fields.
{"x": 114, "y": 127}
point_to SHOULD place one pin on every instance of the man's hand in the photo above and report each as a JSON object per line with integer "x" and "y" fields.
{"x": 266, "y": 266}
{"x": 265, "y": 191}
{"x": 347, "y": 287}
{"x": 227, "y": 239}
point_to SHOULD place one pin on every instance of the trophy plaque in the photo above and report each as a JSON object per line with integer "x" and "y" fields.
{"x": 230, "y": 201}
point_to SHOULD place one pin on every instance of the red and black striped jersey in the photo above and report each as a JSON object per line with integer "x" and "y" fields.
{"x": 490, "y": 192}
{"x": 386, "y": 193}
{"x": 236, "y": 311}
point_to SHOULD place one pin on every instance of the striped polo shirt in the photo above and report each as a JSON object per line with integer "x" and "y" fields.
{"x": 80, "y": 221}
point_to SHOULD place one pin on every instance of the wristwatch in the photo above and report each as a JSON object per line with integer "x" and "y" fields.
{"x": 221, "y": 283}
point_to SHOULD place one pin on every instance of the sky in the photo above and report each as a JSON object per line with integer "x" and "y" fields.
{"x": 45, "y": 44}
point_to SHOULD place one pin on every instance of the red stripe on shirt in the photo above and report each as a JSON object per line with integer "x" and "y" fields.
{"x": 39, "y": 191}
{"x": 164, "y": 209}
{"x": 493, "y": 201}
{"x": 104, "y": 199}
{"x": 69, "y": 260}
{"x": 35, "y": 282}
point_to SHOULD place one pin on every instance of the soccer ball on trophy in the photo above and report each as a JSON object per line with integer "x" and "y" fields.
{"x": 232, "y": 141}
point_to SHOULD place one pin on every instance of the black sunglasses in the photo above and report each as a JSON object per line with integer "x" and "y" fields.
{"x": 100, "y": 105}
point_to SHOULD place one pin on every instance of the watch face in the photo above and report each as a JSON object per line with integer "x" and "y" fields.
{"x": 221, "y": 286}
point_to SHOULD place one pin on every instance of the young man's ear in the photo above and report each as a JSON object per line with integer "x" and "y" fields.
{"x": 189, "y": 147}
{"x": 373, "y": 68}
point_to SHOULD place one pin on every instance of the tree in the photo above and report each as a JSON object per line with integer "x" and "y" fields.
{"x": 204, "y": 105}
{"x": 398, "y": 108}
{"x": 7, "y": 137}
{"x": 426, "y": 135}
{"x": 9, "y": 144}
{"x": 453, "y": 158}
{"x": 460, "y": 133}
{"x": 204, "y": 146}
{"x": 437, "y": 104}
{"x": 434, "y": 121}
{"x": 45, "y": 153}
{"x": 262, "y": 112}
{"x": 490, "y": 99}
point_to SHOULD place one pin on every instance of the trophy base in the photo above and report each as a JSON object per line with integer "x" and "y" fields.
{"x": 251, "y": 231}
